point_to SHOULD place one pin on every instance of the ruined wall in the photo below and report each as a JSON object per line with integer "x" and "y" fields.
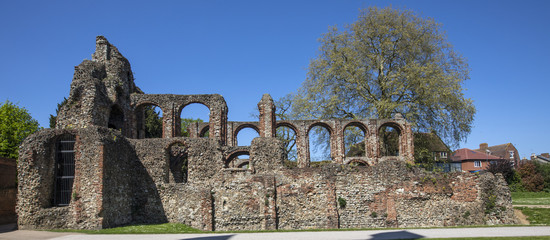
{"x": 100, "y": 92}
{"x": 123, "y": 179}
{"x": 8, "y": 190}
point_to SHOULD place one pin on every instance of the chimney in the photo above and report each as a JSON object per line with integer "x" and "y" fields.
{"x": 483, "y": 146}
{"x": 546, "y": 155}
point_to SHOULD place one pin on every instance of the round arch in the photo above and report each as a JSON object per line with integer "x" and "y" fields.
{"x": 321, "y": 124}
{"x": 233, "y": 155}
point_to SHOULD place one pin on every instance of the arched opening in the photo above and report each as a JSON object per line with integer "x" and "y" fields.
{"x": 240, "y": 159}
{"x": 287, "y": 135}
{"x": 64, "y": 170}
{"x": 319, "y": 145}
{"x": 245, "y": 134}
{"x": 178, "y": 163}
{"x": 389, "y": 137}
{"x": 360, "y": 163}
{"x": 205, "y": 132}
{"x": 189, "y": 115}
{"x": 149, "y": 121}
{"x": 116, "y": 118}
{"x": 354, "y": 141}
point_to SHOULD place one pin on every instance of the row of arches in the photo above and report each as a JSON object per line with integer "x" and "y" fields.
{"x": 319, "y": 141}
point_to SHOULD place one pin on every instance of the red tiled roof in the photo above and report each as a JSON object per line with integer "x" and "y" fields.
{"x": 469, "y": 154}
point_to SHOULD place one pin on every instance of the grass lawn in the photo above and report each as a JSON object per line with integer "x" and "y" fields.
{"x": 530, "y": 198}
{"x": 499, "y": 238}
{"x": 536, "y": 216}
{"x": 140, "y": 229}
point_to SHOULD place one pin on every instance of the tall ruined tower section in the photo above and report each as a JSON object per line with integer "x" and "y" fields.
{"x": 100, "y": 92}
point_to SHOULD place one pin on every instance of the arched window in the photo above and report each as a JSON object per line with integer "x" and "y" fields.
{"x": 354, "y": 141}
{"x": 178, "y": 163}
{"x": 191, "y": 113}
{"x": 64, "y": 170}
{"x": 149, "y": 121}
{"x": 389, "y": 137}
{"x": 287, "y": 135}
{"x": 240, "y": 159}
{"x": 245, "y": 135}
{"x": 319, "y": 145}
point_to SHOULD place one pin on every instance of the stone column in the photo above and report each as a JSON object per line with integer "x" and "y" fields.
{"x": 267, "y": 116}
{"x": 302, "y": 145}
{"x": 169, "y": 122}
{"x": 337, "y": 147}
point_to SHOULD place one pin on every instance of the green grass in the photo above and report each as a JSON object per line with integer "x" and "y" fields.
{"x": 499, "y": 238}
{"x": 140, "y": 229}
{"x": 530, "y": 198}
{"x": 536, "y": 216}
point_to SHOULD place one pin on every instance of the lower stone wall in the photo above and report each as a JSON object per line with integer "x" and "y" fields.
{"x": 8, "y": 190}
{"x": 120, "y": 181}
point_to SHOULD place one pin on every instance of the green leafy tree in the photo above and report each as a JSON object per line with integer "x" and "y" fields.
{"x": 15, "y": 125}
{"x": 185, "y": 122}
{"x": 544, "y": 170}
{"x": 531, "y": 180}
{"x": 53, "y": 119}
{"x": 153, "y": 122}
{"x": 388, "y": 62}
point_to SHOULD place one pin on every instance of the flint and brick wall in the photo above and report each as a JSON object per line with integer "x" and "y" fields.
{"x": 8, "y": 190}
{"x": 122, "y": 179}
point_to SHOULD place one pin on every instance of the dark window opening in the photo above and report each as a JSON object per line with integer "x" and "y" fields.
{"x": 178, "y": 163}
{"x": 64, "y": 170}
{"x": 116, "y": 118}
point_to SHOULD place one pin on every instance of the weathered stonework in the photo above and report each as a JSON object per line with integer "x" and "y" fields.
{"x": 121, "y": 178}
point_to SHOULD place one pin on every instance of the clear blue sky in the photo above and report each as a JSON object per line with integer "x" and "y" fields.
{"x": 243, "y": 49}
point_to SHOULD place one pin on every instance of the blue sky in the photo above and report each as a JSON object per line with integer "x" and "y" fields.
{"x": 243, "y": 49}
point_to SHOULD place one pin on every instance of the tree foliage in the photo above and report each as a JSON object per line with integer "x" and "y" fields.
{"x": 531, "y": 180}
{"x": 389, "y": 62}
{"x": 185, "y": 122}
{"x": 504, "y": 167}
{"x": 153, "y": 122}
{"x": 15, "y": 125}
{"x": 285, "y": 134}
{"x": 53, "y": 119}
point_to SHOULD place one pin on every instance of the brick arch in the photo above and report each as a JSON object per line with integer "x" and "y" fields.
{"x": 203, "y": 130}
{"x": 139, "y": 126}
{"x": 358, "y": 124}
{"x": 241, "y": 127}
{"x": 234, "y": 154}
{"x": 400, "y": 131}
{"x": 359, "y": 162}
{"x": 289, "y": 125}
{"x": 366, "y": 134}
{"x": 322, "y": 124}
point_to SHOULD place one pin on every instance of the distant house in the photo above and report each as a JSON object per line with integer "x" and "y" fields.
{"x": 542, "y": 158}
{"x": 436, "y": 149}
{"x": 504, "y": 151}
{"x": 473, "y": 161}
{"x": 433, "y": 144}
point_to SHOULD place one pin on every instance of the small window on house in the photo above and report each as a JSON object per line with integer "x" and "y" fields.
{"x": 477, "y": 163}
{"x": 443, "y": 155}
{"x": 511, "y": 154}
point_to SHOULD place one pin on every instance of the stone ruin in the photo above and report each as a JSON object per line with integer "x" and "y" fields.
{"x": 96, "y": 170}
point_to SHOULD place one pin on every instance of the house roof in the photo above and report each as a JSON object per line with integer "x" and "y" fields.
{"x": 430, "y": 141}
{"x": 469, "y": 154}
{"x": 498, "y": 150}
